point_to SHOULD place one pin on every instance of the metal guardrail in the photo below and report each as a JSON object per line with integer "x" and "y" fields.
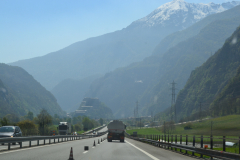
{"x": 96, "y": 129}
{"x": 208, "y": 152}
{"x": 60, "y": 138}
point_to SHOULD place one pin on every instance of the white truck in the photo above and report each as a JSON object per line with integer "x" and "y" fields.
{"x": 64, "y": 128}
{"x": 116, "y": 130}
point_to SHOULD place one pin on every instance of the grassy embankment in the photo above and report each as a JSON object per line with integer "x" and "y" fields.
{"x": 228, "y": 126}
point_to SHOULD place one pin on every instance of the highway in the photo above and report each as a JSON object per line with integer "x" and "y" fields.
{"x": 129, "y": 150}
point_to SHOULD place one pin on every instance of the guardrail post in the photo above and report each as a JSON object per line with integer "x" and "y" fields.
{"x": 193, "y": 144}
{"x": 30, "y": 144}
{"x": 44, "y": 141}
{"x": 20, "y": 144}
{"x": 186, "y": 141}
{"x": 9, "y": 146}
{"x": 168, "y": 140}
{"x": 165, "y": 140}
{"x": 211, "y": 142}
{"x": 171, "y": 141}
{"x": 38, "y": 142}
{"x": 162, "y": 138}
{"x": 201, "y": 144}
{"x": 58, "y": 140}
{"x": 54, "y": 140}
{"x": 49, "y": 141}
{"x": 224, "y": 142}
{"x": 180, "y": 141}
{"x": 175, "y": 141}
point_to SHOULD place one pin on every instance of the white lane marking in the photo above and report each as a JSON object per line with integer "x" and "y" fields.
{"x": 47, "y": 145}
{"x": 149, "y": 155}
{"x": 85, "y": 152}
{"x": 28, "y": 148}
{"x": 93, "y": 147}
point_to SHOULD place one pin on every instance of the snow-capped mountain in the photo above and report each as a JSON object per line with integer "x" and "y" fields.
{"x": 181, "y": 14}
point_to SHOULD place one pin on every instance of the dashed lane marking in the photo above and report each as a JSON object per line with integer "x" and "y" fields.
{"x": 85, "y": 152}
{"x": 149, "y": 155}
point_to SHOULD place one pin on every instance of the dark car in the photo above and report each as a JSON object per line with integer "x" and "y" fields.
{"x": 10, "y": 131}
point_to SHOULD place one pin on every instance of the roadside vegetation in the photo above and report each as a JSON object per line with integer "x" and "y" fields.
{"x": 45, "y": 124}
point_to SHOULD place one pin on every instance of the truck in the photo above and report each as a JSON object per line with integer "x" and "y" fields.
{"x": 64, "y": 128}
{"x": 116, "y": 130}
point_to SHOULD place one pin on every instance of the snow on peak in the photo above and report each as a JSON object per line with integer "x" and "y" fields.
{"x": 182, "y": 13}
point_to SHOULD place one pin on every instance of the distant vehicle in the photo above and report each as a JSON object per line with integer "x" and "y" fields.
{"x": 64, "y": 128}
{"x": 116, "y": 130}
{"x": 10, "y": 131}
{"x": 74, "y": 133}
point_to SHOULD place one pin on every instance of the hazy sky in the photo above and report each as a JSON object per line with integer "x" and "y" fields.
{"x": 30, "y": 28}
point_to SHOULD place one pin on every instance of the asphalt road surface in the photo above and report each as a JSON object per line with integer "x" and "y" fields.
{"x": 129, "y": 150}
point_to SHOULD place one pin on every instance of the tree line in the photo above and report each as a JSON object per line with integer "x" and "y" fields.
{"x": 44, "y": 123}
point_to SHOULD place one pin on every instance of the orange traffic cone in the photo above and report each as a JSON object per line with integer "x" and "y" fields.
{"x": 94, "y": 143}
{"x": 71, "y": 155}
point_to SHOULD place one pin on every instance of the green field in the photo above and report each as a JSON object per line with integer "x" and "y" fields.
{"x": 228, "y": 126}
{"x": 222, "y": 126}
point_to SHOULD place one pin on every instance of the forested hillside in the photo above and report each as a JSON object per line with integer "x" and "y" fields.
{"x": 179, "y": 61}
{"x": 149, "y": 81}
{"x": 20, "y": 93}
{"x": 213, "y": 81}
{"x": 228, "y": 101}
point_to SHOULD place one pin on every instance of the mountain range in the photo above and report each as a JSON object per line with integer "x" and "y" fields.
{"x": 149, "y": 81}
{"x": 105, "y": 53}
{"x": 152, "y": 43}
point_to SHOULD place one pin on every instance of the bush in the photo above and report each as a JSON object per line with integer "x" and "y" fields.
{"x": 188, "y": 126}
{"x": 28, "y": 127}
{"x": 78, "y": 127}
{"x": 4, "y": 121}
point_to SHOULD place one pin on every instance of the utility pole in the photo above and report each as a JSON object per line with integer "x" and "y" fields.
{"x": 200, "y": 113}
{"x": 211, "y": 127}
{"x": 173, "y": 102}
{"x": 151, "y": 115}
{"x": 137, "y": 120}
{"x": 140, "y": 123}
{"x": 137, "y": 109}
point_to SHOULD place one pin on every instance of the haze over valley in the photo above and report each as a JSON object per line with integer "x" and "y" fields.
{"x": 136, "y": 63}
